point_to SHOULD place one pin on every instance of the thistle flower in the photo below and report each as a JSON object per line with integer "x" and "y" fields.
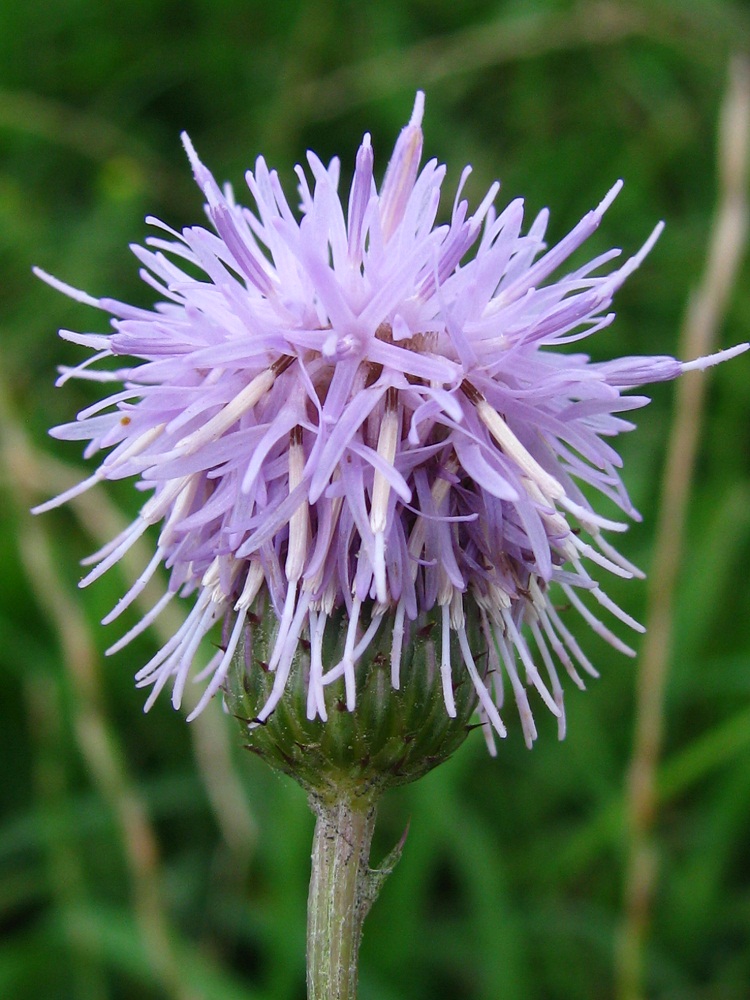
{"x": 349, "y": 424}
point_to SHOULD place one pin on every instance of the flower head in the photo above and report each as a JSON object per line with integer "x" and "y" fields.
{"x": 347, "y": 421}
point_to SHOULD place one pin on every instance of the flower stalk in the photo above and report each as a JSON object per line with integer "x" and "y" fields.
{"x": 342, "y": 889}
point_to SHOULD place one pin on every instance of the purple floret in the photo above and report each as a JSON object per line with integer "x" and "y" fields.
{"x": 339, "y": 414}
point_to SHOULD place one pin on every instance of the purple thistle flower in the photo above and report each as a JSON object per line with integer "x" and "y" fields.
{"x": 341, "y": 417}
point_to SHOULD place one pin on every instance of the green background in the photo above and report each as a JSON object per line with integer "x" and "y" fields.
{"x": 141, "y": 857}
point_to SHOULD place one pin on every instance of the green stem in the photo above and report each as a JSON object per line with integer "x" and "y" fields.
{"x": 342, "y": 889}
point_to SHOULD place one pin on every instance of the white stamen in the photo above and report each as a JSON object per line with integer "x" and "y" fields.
{"x": 614, "y": 609}
{"x": 488, "y": 732}
{"x": 179, "y": 511}
{"x": 555, "y": 521}
{"x": 222, "y": 669}
{"x": 570, "y": 642}
{"x": 381, "y": 489}
{"x": 155, "y": 508}
{"x": 61, "y": 286}
{"x": 560, "y": 651}
{"x": 148, "y": 670}
{"x": 458, "y": 616}
{"x": 479, "y": 686}
{"x": 367, "y": 638}
{"x": 445, "y": 663}
{"x": 213, "y": 429}
{"x": 283, "y": 653}
{"x": 611, "y": 552}
{"x": 515, "y": 450}
{"x": 139, "y": 444}
{"x": 387, "y": 442}
{"x": 211, "y": 577}
{"x": 136, "y": 589}
{"x": 588, "y": 519}
{"x": 252, "y": 585}
{"x": 143, "y": 624}
{"x": 323, "y": 541}
{"x": 574, "y": 542}
{"x": 316, "y": 704}
{"x": 379, "y": 576}
{"x": 397, "y": 642}
{"x": 598, "y": 626}
{"x": 74, "y": 491}
{"x": 348, "y": 660}
{"x": 287, "y": 615}
{"x": 129, "y": 538}
{"x": 519, "y": 691}
{"x": 531, "y": 670}
{"x": 67, "y": 372}
{"x": 299, "y": 521}
{"x": 542, "y": 607}
{"x": 557, "y": 689}
{"x": 182, "y": 666}
{"x": 439, "y": 491}
{"x": 493, "y": 658}
{"x": 156, "y": 690}
{"x": 699, "y": 364}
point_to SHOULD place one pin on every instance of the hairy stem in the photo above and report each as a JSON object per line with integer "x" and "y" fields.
{"x": 342, "y": 889}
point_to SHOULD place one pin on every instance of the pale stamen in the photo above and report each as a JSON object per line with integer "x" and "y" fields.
{"x": 381, "y": 489}
{"x": 252, "y": 585}
{"x": 244, "y": 401}
{"x": 531, "y": 670}
{"x": 300, "y": 520}
{"x": 557, "y": 690}
{"x": 528, "y": 725}
{"x": 511, "y": 446}
{"x": 445, "y": 663}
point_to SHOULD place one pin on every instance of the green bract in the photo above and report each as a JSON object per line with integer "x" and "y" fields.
{"x": 390, "y": 738}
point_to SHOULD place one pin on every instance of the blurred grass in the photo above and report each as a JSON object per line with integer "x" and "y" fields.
{"x": 140, "y": 857}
